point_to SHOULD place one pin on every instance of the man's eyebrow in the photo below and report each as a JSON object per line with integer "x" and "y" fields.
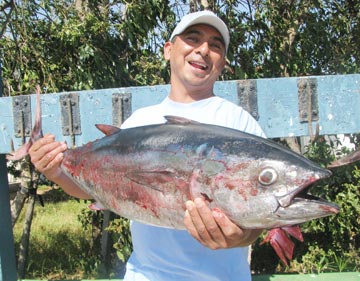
{"x": 217, "y": 38}
{"x": 192, "y": 31}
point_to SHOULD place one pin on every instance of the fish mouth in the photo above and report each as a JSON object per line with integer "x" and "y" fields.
{"x": 301, "y": 194}
{"x": 328, "y": 207}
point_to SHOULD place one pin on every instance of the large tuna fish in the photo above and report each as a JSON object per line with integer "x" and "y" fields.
{"x": 148, "y": 173}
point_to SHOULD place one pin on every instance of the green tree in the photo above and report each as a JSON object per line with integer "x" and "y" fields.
{"x": 83, "y": 44}
{"x": 78, "y": 45}
{"x": 294, "y": 38}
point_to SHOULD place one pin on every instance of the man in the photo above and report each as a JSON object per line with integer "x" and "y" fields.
{"x": 212, "y": 248}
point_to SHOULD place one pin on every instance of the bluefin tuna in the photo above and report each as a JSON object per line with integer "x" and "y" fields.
{"x": 148, "y": 173}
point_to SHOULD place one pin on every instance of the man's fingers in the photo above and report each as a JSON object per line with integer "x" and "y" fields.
{"x": 212, "y": 229}
{"x": 51, "y": 161}
{"x": 195, "y": 224}
{"x": 227, "y": 226}
{"x": 201, "y": 224}
{"x": 46, "y": 154}
{"x": 190, "y": 226}
{"x": 48, "y": 138}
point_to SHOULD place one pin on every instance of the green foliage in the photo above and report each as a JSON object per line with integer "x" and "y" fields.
{"x": 120, "y": 228}
{"x": 65, "y": 46}
{"x": 336, "y": 236}
{"x": 293, "y": 38}
{"x": 91, "y": 221}
{"x": 60, "y": 248}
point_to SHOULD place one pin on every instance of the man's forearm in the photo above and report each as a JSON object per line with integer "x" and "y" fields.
{"x": 70, "y": 187}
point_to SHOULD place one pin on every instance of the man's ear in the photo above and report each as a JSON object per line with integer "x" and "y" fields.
{"x": 167, "y": 50}
{"x": 224, "y": 64}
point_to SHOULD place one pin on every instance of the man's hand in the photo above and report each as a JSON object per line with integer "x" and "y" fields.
{"x": 213, "y": 228}
{"x": 46, "y": 154}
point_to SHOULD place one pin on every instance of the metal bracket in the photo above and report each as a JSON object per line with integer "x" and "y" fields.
{"x": 247, "y": 95}
{"x": 22, "y": 116}
{"x": 308, "y": 99}
{"x": 121, "y": 107}
{"x": 70, "y": 114}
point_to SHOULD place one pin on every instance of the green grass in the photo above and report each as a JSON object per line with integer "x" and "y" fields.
{"x": 59, "y": 246}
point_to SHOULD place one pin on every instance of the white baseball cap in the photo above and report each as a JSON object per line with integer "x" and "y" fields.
{"x": 203, "y": 17}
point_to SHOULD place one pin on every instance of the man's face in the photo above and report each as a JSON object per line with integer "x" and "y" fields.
{"x": 197, "y": 57}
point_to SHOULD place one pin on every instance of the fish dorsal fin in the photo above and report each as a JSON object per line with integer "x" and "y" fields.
{"x": 170, "y": 119}
{"x": 107, "y": 129}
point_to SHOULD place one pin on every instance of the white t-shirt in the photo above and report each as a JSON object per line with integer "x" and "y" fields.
{"x": 162, "y": 254}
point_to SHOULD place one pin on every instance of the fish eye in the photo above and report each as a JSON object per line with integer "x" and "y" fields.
{"x": 267, "y": 176}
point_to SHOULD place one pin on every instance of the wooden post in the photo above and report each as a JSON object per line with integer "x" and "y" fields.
{"x": 29, "y": 181}
{"x": 7, "y": 251}
{"x": 106, "y": 245}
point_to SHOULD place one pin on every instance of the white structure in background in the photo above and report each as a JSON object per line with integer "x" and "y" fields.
{"x": 345, "y": 141}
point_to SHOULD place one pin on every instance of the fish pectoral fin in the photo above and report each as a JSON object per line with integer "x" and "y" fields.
{"x": 107, "y": 129}
{"x": 170, "y": 119}
{"x": 281, "y": 243}
{"x": 159, "y": 180}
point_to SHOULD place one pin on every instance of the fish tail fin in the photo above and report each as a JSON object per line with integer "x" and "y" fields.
{"x": 36, "y": 133}
{"x": 346, "y": 160}
{"x": 19, "y": 153}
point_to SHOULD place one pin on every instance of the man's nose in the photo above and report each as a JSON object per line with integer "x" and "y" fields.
{"x": 203, "y": 49}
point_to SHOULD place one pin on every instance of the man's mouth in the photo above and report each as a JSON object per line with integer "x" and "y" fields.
{"x": 198, "y": 65}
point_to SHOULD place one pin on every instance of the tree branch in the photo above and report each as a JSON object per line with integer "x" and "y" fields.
{"x": 5, "y": 6}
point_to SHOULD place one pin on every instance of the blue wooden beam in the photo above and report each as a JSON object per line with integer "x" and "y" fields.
{"x": 277, "y": 105}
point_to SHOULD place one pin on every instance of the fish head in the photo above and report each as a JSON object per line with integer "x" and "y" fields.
{"x": 269, "y": 193}
{"x": 286, "y": 181}
{"x": 293, "y": 193}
